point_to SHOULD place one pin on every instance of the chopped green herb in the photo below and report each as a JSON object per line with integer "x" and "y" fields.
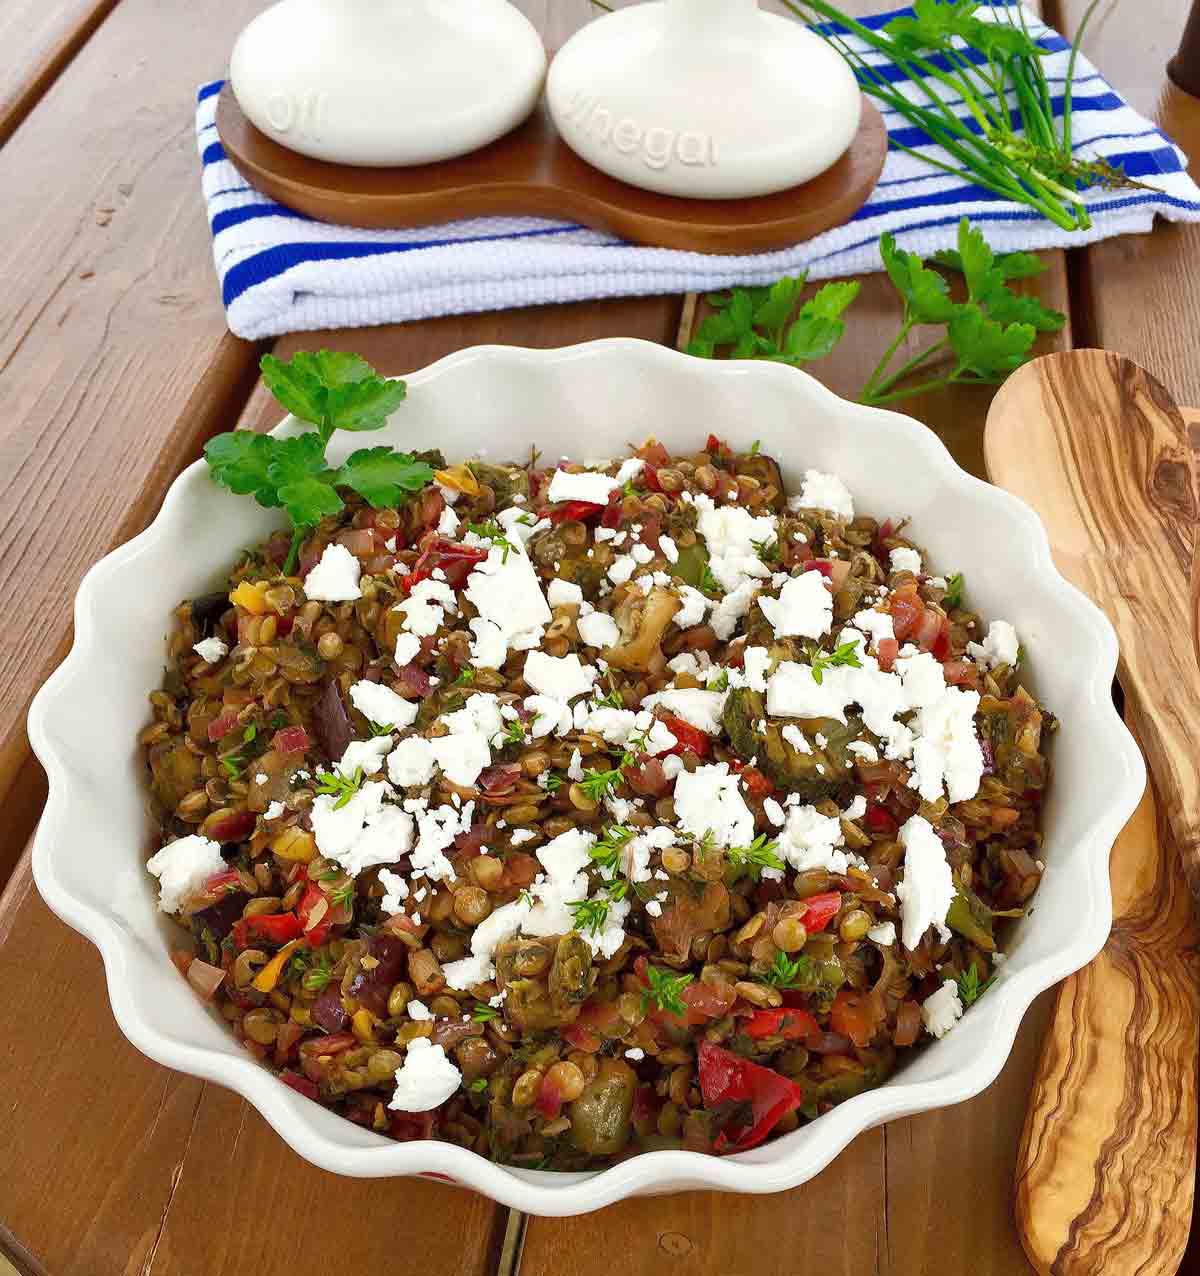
{"x": 492, "y": 531}
{"x": 606, "y": 853}
{"x": 754, "y": 447}
{"x": 466, "y": 676}
{"x": 760, "y": 854}
{"x": 344, "y": 787}
{"x": 525, "y": 897}
{"x": 589, "y": 914}
{"x": 846, "y": 654}
{"x": 969, "y": 987}
{"x": 665, "y": 990}
{"x": 788, "y": 972}
{"x": 767, "y": 549}
{"x": 954, "y": 592}
{"x": 478, "y": 1086}
{"x": 484, "y": 1014}
{"x": 708, "y": 582}
{"x": 378, "y": 728}
{"x": 599, "y": 784}
{"x": 551, "y": 782}
{"x": 318, "y": 975}
{"x": 342, "y": 895}
{"x": 720, "y": 682}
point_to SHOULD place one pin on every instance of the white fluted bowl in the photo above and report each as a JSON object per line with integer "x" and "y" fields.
{"x": 585, "y": 401}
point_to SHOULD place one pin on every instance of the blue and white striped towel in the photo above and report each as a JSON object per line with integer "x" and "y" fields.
{"x": 283, "y": 272}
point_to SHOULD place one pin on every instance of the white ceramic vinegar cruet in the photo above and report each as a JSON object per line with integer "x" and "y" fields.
{"x": 387, "y": 82}
{"x": 711, "y": 99}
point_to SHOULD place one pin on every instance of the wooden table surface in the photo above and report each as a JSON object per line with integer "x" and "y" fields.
{"x": 115, "y": 367}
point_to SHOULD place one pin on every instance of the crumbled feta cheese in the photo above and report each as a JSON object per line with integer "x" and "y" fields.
{"x": 418, "y": 1011}
{"x": 699, "y": 708}
{"x": 335, "y": 578}
{"x": 182, "y": 867}
{"x": 755, "y": 663}
{"x": 1000, "y": 647}
{"x": 642, "y": 554}
{"x": 695, "y": 604}
{"x": 927, "y": 889}
{"x": 730, "y": 535}
{"x": 774, "y": 812}
{"x": 424, "y": 610}
{"x": 824, "y": 492}
{"x": 804, "y": 608}
{"x": 631, "y": 467}
{"x": 862, "y": 749}
{"x": 381, "y": 704}
{"x": 598, "y": 630}
{"x": 489, "y": 649}
{"x": 875, "y": 624}
{"x": 904, "y": 559}
{"x": 548, "y": 716}
{"x": 364, "y": 755}
{"x": 708, "y": 800}
{"x": 560, "y": 677}
{"x": 947, "y": 750}
{"x": 211, "y": 649}
{"x": 505, "y": 590}
{"x": 408, "y": 648}
{"x": 588, "y": 486}
{"x": 811, "y": 840}
{"x": 730, "y": 609}
{"x": 670, "y": 550}
{"x": 622, "y": 568}
{"x": 448, "y": 523}
{"x": 943, "y": 1009}
{"x": 562, "y": 592}
{"x": 426, "y": 1079}
{"x": 395, "y": 891}
{"x": 364, "y": 832}
{"x": 495, "y": 929}
{"x": 796, "y": 738}
{"x": 883, "y": 934}
{"x": 274, "y": 811}
{"x": 411, "y": 763}
{"x": 467, "y": 749}
{"x": 636, "y": 1053}
{"x": 521, "y": 836}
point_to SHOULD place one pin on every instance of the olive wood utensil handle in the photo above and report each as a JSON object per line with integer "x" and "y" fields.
{"x": 1106, "y": 1166}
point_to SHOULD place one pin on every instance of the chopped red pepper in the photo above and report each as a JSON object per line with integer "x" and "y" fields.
{"x": 793, "y": 1025}
{"x": 880, "y": 821}
{"x": 821, "y": 910}
{"x": 757, "y": 784}
{"x": 611, "y": 517}
{"x": 853, "y": 1015}
{"x": 730, "y": 1083}
{"x": 290, "y": 740}
{"x": 689, "y": 739}
{"x": 886, "y": 651}
{"x": 302, "y": 1085}
{"x": 315, "y": 933}
{"x": 549, "y": 1099}
{"x": 269, "y": 928}
{"x": 226, "y": 881}
{"x": 576, "y": 512}
{"x": 454, "y": 559}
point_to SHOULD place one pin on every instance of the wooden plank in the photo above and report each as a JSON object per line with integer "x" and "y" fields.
{"x": 39, "y": 40}
{"x": 115, "y": 361}
{"x": 1141, "y": 294}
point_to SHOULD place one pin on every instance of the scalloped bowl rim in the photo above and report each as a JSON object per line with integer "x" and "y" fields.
{"x": 774, "y": 1167}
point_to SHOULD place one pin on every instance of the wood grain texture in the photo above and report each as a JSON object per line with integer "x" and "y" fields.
{"x": 115, "y": 361}
{"x": 39, "y": 40}
{"x": 1107, "y": 1161}
{"x": 1099, "y": 448}
{"x": 532, "y": 172}
{"x": 1135, "y": 294}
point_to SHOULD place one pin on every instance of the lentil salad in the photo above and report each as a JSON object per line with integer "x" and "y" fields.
{"x": 567, "y": 812}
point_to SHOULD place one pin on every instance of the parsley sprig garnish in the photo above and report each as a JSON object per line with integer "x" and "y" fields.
{"x": 665, "y": 990}
{"x": 334, "y": 391}
{"x": 788, "y": 972}
{"x": 845, "y": 655}
{"x": 760, "y": 854}
{"x": 344, "y": 787}
{"x": 987, "y": 336}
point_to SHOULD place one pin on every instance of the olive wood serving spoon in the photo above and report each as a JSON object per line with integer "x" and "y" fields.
{"x": 1106, "y": 1167}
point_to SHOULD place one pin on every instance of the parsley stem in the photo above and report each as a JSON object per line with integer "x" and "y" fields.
{"x": 905, "y": 328}
{"x": 875, "y": 393}
{"x": 294, "y": 550}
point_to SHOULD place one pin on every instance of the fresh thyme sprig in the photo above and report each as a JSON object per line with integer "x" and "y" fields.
{"x": 665, "y": 990}
{"x": 845, "y": 655}
{"x": 969, "y": 987}
{"x": 492, "y": 531}
{"x": 761, "y": 853}
{"x": 788, "y": 972}
{"x": 333, "y": 783}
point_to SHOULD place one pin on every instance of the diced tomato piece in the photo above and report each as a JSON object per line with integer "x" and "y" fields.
{"x": 581, "y": 1038}
{"x": 222, "y": 725}
{"x": 549, "y": 1099}
{"x": 757, "y": 784}
{"x": 854, "y": 1016}
{"x": 576, "y": 512}
{"x": 907, "y": 610}
{"x": 880, "y": 821}
{"x": 409, "y": 1127}
{"x": 820, "y": 910}
{"x": 793, "y": 1025}
{"x": 286, "y": 1040}
{"x": 227, "y": 881}
{"x": 650, "y": 473}
{"x": 600, "y": 1017}
{"x": 611, "y": 517}
{"x": 520, "y": 869}
{"x": 290, "y": 740}
{"x": 689, "y": 739}
{"x": 886, "y": 652}
{"x": 334, "y": 1043}
{"x": 268, "y": 928}
{"x": 960, "y": 673}
{"x": 928, "y": 629}
{"x": 233, "y": 827}
{"x": 941, "y": 644}
{"x": 302, "y": 1085}
{"x": 655, "y": 453}
{"x": 455, "y": 560}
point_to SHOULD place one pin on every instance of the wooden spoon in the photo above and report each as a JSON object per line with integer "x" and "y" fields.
{"x": 1107, "y": 1161}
